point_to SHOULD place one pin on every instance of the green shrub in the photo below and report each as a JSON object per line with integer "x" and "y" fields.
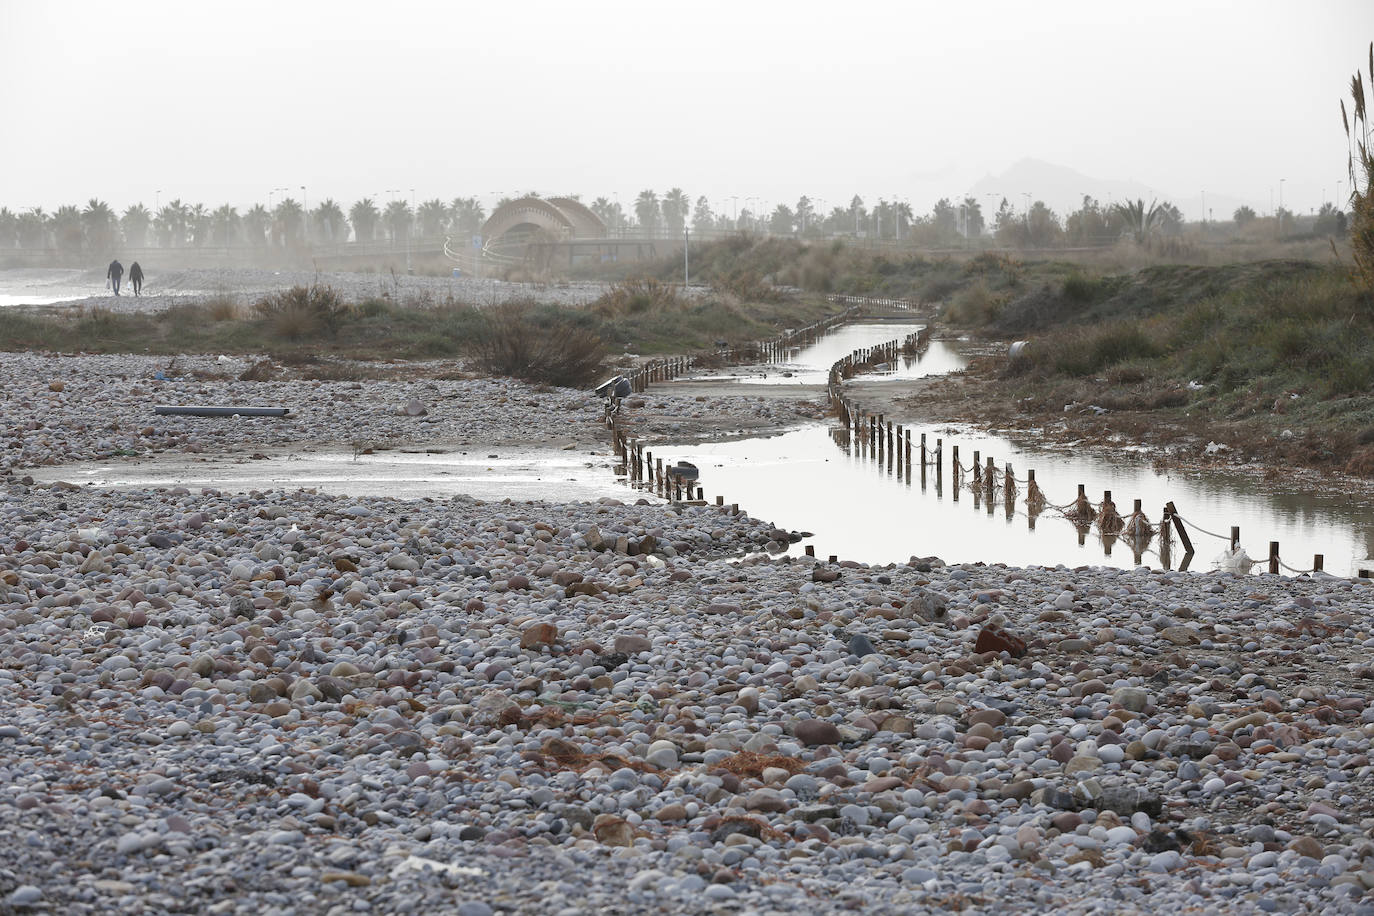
{"x": 1089, "y": 352}
{"x": 974, "y": 306}
{"x": 1081, "y": 288}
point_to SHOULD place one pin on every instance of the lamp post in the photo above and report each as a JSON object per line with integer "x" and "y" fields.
{"x": 1280, "y": 213}
{"x": 410, "y": 223}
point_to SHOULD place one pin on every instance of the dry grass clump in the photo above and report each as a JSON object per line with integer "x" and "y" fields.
{"x": 302, "y": 311}
{"x": 1109, "y": 521}
{"x": 974, "y": 305}
{"x": 222, "y": 307}
{"x": 519, "y": 341}
{"x": 749, "y": 763}
{"x": 635, "y": 296}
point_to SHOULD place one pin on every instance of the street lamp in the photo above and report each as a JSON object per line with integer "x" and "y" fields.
{"x": 409, "y": 224}
{"x": 1280, "y": 213}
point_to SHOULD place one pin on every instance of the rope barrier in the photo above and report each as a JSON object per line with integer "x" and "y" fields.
{"x": 1193, "y": 526}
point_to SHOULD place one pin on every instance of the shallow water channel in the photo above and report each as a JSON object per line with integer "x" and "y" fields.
{"x": 865, "y": 507}
{"x": 860, "y": 506}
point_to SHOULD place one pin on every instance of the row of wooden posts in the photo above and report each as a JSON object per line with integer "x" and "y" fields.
{"x": 646, "y": 471}
{"x": 880, "y": 438}
{"x": 901, "y": 305}
{"x": 638, "y": 462}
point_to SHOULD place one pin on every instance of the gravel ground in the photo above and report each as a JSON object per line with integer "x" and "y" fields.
{"x": 289, "y": 702}
{"x": 64, "y": 408}
{"x": 245, "y": 285}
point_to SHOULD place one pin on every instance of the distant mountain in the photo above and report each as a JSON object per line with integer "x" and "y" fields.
{"x": 1063, "y": 188}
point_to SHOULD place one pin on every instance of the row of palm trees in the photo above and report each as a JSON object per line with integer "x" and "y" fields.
{"x": 286, "y": 225}
{"x": 98, "y": 228}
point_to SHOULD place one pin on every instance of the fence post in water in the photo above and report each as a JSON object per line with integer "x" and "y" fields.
{"x": 1235, "y": 537}
{"x": 1273, "y": 556}
{"x": 977, "y": 469}
{"x": 1178, "y": 526}
{"x": 954, "y": 464}
{"x": 908, "y": 451}
{"x": 1164, "y": 540}
{"x": 658, "y": 472}
{"x": 810, "y": 550}
{"x": 649, "y": 464}
{"x": 1318, "y": 562}
{"x": 720, "y": 500}
{"x": 989, "y": 478}
{"x": 923, "y": 454}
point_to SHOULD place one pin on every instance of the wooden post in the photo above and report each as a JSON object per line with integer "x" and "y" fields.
{"x": 1235, "y": 537}
{"x": 1164, "y": 540}
{"x": 1318, "y": 562}
{"x": 834, "y": 559}
{"x": 1178, "y": 525}
{"x": 720, "y": 500}
{"x": 954, "y": 462}
{"x": 977, "y": 469}
{"x": 649, "y": 464}
{"x": 1366, "y": 574}
{"x": 810, "y": 550}
{"x": 989, "y": 477}
{"x": 1273, "y": 556}
{"x": 923, "y": 452}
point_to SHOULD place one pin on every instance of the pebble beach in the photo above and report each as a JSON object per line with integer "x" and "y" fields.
{"x": 287, "y": 701}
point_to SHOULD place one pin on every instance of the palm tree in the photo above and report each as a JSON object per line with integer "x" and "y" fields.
{"x": 287, "y": 221}
{"x": 467, "y": 215}
{"x": 135, "y": 223}
{"x": 254, "y": 224}
{"x": 200, "y": 222}
{"x": 171, "y": 224}
{"x": 398, "y": 219}
{"x": 702, "y": 219}
{"x": 100, "y": 223}
{"x": 66, "y": 226}
{"x": 364, "y": 216}
{"x": 9, "y": 228}
{"x": 646, "y": 211}
{"x": 33, "y": 229}
{"x": 676, "y": 206}
{"x": 1139, "y": 221}
{"x": 433, "y": 217}
{"x": 329, "y": 220}
{"x": 226, "y": 222}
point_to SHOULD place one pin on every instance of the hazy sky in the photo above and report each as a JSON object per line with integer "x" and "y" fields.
{"x": 217, "y": 102}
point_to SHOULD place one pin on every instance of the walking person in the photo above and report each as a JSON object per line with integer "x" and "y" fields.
{"x": 136, "y": 278}
{"x": 114, "y": 273}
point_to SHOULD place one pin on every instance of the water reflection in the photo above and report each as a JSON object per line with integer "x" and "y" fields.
{"x": 809, "y": 365}
{"x": 866, "y": 499}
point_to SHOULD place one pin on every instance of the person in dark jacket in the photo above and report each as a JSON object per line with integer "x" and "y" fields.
{"x": 114, "y": 273}
{"x": 136, "y": 278}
